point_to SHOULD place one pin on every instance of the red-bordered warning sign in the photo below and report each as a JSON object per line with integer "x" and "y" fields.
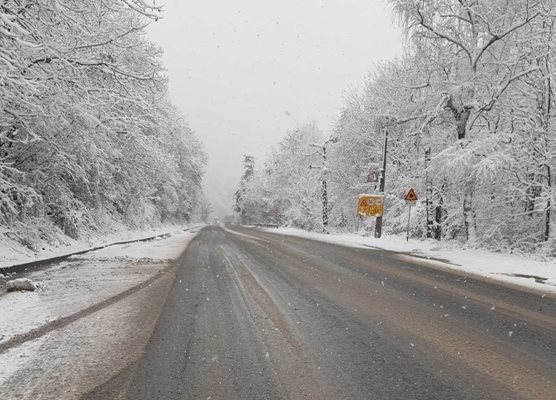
{"x": 410, "y": 196}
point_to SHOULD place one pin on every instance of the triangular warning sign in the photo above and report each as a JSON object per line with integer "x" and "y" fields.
{"x": 410, "y": 195}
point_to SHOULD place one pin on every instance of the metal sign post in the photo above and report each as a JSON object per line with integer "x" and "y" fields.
{"x": 408, "y": 220}
{"x": 410, "y": 198}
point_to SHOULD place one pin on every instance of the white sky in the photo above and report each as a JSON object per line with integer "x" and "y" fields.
{"x": 244, "y": 72}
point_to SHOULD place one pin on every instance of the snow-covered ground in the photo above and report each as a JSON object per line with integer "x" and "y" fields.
{"x": 73, "y": 292}
{"x": 514, "y": 269}
{"x": 13, "y": 253}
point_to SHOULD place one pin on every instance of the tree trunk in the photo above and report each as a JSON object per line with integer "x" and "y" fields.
{"x": 324, "y": 206}
{"x": 439, "y": 213}
{"x": 461, "y": 117}
{"x": 468, "y": 213}
{"x": 548, "y": 206}
{"x": 428, "y": 195}
{"x": 547, "y": 108}
{"x": 438, "y": 218}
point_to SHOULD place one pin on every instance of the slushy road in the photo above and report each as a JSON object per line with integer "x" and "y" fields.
{"x": 256, "y": 315}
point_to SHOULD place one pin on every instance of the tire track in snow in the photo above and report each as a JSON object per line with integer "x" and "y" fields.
{"x": 65, "y": 321}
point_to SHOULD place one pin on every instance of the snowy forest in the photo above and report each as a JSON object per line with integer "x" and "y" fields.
{"x": 470, "y": 118}
{"x": 89, "y": 142}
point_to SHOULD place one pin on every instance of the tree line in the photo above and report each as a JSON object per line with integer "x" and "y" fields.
{"x": 88, "y": 139}
{"x": 469, "y": 110}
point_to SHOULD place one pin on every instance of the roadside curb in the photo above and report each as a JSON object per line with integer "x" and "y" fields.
{"x": 17, "y": 268}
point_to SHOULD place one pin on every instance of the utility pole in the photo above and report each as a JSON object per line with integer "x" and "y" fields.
{"x": 378, "y": 223}
{"x": 324, "y": 190}
{"x": 322, "y": 148}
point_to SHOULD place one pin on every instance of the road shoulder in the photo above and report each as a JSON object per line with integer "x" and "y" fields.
{"x": 95, "y": 311}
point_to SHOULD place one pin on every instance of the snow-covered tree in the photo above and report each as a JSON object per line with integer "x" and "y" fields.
{"x": 87, "y": 138}
{"x": 286, "y": 190}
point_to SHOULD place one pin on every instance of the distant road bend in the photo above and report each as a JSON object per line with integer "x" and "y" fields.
{"x": 256, "y": 315}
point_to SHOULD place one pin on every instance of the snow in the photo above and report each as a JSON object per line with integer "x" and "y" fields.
{"x": 16, "y": 358}
{"x": 160, "y": 249}
{"x": 72, "y": 286}
{"x": 12, "y": 253}
{"x": 20, "y": 284}
{"x": 510, "y": 268}
{"x": 83, "y": 280}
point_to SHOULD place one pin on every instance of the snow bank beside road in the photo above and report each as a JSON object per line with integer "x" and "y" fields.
{"x": 12, "y": 253}
{"x": 161, "y": 249}
{"x": 514, "y": 269}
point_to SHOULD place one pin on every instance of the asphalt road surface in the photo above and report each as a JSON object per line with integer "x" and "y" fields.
{"x": 255, "y": 315}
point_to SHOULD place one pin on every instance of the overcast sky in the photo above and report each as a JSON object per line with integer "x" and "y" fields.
{"x": 244, "y": 72}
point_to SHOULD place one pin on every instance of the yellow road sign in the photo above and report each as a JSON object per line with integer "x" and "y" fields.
{"x": 370, "y": 205}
